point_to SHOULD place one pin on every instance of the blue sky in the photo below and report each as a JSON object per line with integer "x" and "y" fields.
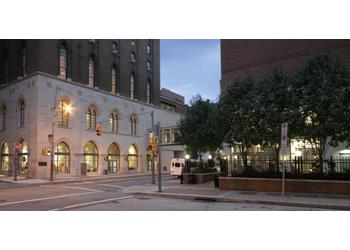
{"x": 190, "y": 67}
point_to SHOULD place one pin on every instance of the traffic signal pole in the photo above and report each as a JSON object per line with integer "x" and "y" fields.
{"x": 159, "y": 161}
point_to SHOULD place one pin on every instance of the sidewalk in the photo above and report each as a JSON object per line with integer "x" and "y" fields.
{"x": 207, "y": 192}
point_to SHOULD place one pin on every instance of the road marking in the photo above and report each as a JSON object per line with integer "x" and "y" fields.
{"x": 110, "y": 185}
{"x": 80, "y": 188}
{"x": 91, "y": 203}
{"x": 47, "y": 198}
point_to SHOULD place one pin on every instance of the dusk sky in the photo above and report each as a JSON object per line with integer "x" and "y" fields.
{"x": 190, "y": 67}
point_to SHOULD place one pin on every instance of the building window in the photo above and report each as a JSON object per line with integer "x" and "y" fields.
{"x": 133, "y": 125}
{"x": 133, "y": 57}
{"x": 91, "y": 157}
{"x": 63, "y": 114}
{"x": 161, "y": 136}
{"x": 114, "y": 80}
{"x": 114, "y": 47}
{"x": 113, "y": 158}
{"x": 172, "y": 138}
{"x": 5, "y": 68}
{"x": 91, "y": 118}
{"x": 149, "y": 66}
{"x": 167, "y": 106}
{"x": 149, "y": 50}
{"x": 4, "y": 158}
{"x": 2, "y": 117}
{"x": 62, "y": 158}
{"x": 132, "y": 86}
{"x": 132, "y": 157}
{"x": 24, "y": 61}
{"x": 148, "y": 92}
{"x": 113, "y": 122}
{"x": 166, "y": 135}
{"x": 23, "y": 157}
{"x": 63, "y": 62}
{"x": 132, "y": 42}
{"x": 91, "y": 72}
{"x": 21, "y": 107}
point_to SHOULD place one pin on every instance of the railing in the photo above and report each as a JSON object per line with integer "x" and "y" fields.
{"x": 298, "y": 167}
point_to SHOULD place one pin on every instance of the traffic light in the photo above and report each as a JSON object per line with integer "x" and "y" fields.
{"x": 153, "y": 143}
{"x": 48, "y": 151}
{"x": 98, "y": 129}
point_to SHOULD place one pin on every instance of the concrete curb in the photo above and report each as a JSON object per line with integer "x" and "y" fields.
{"x": 237, "y": 200}
{"x": 83, "y": 179}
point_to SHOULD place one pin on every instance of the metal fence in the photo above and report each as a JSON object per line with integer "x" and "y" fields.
{"x": 298, "y": 167}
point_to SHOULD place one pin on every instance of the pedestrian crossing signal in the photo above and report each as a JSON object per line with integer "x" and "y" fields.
{"x": 98, "y": 129}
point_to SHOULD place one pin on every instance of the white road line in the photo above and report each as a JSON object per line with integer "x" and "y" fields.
{"x": 91, "y": 203}
{"x": 47, "y": 198}
{"x": 110, "y": 185}
{"x": 80, "y": 188}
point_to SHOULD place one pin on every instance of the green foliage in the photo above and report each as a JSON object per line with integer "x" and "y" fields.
{"x": 199, "y": 129}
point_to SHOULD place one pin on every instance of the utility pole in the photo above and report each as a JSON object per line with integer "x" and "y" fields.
{"x": 152, "y": 160}
{"x": 159, "y": 161}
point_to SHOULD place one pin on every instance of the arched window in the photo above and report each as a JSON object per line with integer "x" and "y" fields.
{"x": 24, "y": 60}
{"x": 148, "y": 92}
{"x": 133, "y": 57}
{"x": 4, "y": 158}
{"x": 133, "y": 125}
{"x": 63, "y": 61}
{"x": 91, "y": 157}
{"x": 149, "y": 65}
{"x": 62, "y": 158}
{"x": 5, "y": 68}
{"x": 23, "y": 157}
{"x": 91, "y": 82}
{"x": 113, "y": 158}
{"x": 132, "y": 86}
{"x": 114, "y": 80}
{"x": 21, "y": 115}
{"x": 113, "y": 122}
{"x": 149, "y": 49}
{"x": 2, "y": 117}
{"x": 91, "y": 118}
{"x": 132, "y": 157}
{"x": 63, "y": 114}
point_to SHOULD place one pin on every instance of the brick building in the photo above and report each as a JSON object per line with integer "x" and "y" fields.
{"x": 68, "y": 88}
{"x": 172, "y": 101}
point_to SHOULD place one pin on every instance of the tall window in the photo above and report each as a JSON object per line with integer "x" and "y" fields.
{"x": 91, "y": 72}
{"x": 149, "y": 51}
{"x": 166, "y": 135}
{"x": 63, "y": 62}
{"x": 23, "y": 157}
{"x": 114, "y": 80}
{"x": 132, "y": 86}
{"x": 91, "y": 118}
{"x": 133, "y": 57}
{"x": 2, "y": 117}
{"x": 114, "y": 47}
{"x": 149, "y": 65}
{"x": 21, "y": 107}
{"x": 24, "y": 60}
{"x": 5, "y": 68}
{"x": 4, "y": 158}
{"x": 91, "y": 157}
{"x": 148, "y": 92}
{"x": 63, "y": 115}
{"x": 113, "y": 122}
{"x": 113, "y": 158}
{"x": 132, "y": 157}
{"x": 62, "y": 158}
{"x": 133, "y": 125}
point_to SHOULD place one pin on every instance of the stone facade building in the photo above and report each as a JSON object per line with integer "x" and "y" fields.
{"x": 82, "y": 85}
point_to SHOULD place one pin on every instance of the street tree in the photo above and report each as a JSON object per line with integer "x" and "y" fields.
{"x": 323, "y": 91}
{"x": 199, "y": 129}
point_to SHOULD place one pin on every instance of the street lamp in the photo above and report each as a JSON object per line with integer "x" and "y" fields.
{"x": 210, "y": 157}
{"x": 187, "y": 156}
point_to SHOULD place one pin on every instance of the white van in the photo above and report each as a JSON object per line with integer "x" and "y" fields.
{"x": 177, "y": 166}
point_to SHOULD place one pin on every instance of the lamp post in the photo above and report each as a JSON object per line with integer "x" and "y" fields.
{"x": 187, "y": 157}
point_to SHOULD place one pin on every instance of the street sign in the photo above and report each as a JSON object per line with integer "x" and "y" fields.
{"x": 284, "y": 139}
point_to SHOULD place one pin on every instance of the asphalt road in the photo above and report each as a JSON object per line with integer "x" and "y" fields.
{"x": 110, "y": 195}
